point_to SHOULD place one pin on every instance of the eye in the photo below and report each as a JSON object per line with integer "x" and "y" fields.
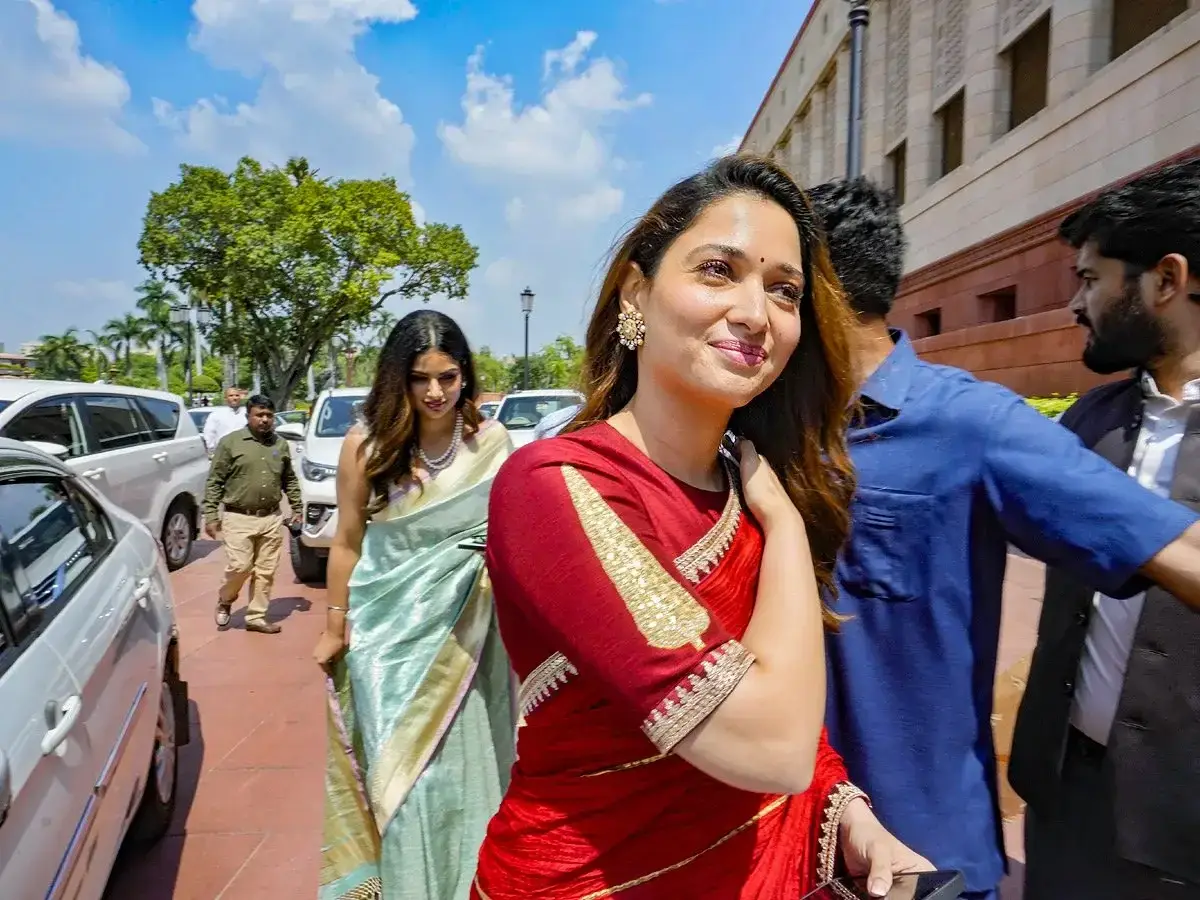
{"x": 793, "y": 292}
{"x": 716, "y": 268}
{"x": 448, "y": 378}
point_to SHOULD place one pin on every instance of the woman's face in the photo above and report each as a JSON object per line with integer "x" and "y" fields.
{"x": 434, "y": 385}
{"x": 723, "y": 310}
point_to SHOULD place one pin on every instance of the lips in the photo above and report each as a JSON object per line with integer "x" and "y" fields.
{"x": 740, "y": 352}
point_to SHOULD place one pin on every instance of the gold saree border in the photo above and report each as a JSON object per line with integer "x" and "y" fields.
{"x": 350, "y": 847}
{"x": 693, "y": 700}
{"x": 767, "y": 810}
{"x": 843, "y": 794}
{"x": 419, "y": 729}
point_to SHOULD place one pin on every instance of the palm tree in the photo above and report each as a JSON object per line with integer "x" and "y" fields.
{"x": 155, "y": 302}
{"x": 123, "y": 333}
{"x": 62, "y": 356}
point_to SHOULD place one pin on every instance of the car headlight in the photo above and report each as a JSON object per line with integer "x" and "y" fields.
{"x": 315, "y": 471}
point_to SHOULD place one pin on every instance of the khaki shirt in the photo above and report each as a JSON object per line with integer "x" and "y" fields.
{"x": 250, "y": 474}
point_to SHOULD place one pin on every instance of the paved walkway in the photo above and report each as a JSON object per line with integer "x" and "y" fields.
{"x": 248, "y": 822}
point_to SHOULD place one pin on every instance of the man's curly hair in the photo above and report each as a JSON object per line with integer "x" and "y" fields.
{"x": 866, "y": 241}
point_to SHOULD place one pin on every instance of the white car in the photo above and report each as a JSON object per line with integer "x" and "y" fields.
{"x": 317, "y": 447}
{"x": 521, "y": 411}
{"x": 92, "y": 708}
{"x": 139, "y": 448}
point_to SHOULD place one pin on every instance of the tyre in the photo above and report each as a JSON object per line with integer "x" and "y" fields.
{"x": 306, "y": 563}
{"x": 178, "y": 533}
{"x": 157, "y": 808}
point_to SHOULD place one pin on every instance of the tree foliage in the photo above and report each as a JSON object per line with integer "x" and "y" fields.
{"x": 287, "y": 261}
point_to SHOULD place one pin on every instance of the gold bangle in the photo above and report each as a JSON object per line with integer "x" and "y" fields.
{"x": 330, "y": 608}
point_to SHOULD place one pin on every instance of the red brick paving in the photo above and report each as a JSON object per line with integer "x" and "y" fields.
{"x": 248, "y": 821}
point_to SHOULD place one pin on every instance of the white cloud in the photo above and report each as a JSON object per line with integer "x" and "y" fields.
{"x": 104, "y": 291}
{"x": 554, "y": 156}
{"x": 314, "y": 97}
{"x": 50, "y": 91}
{"x": 730, "y": 146}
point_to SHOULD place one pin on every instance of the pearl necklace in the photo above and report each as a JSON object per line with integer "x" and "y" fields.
{"x": 442, "y": 462}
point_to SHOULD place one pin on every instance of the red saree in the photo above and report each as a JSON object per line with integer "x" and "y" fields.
{"x": 621, "y": 594}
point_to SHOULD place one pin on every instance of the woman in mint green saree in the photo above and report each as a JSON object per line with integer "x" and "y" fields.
{"x": 421, "y": 724}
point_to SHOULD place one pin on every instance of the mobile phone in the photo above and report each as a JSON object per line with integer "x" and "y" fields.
{"x": 942, "y": 885}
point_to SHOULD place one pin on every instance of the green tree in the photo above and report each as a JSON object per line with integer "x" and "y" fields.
{"x": 287, "y": 260}
{"x": 62, "y": 356}
{"x": 492, "y": 374}
{"x": 155, "y": 300}
{"x": 122, "y": 334}
{"x": 557, "y": 365}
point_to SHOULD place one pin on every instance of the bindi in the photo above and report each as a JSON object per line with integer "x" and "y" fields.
{"x": 762, "y": 259}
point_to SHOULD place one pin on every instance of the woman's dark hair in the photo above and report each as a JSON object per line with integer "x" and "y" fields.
{"x": 392, "y": 424}
{"x": 799, "y": 423}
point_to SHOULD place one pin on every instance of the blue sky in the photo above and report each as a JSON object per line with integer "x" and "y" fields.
{"x": 542, "y": 128}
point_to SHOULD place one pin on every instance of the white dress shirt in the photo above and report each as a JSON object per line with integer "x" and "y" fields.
{"x": 220, "y": 422}
{"x": 1114, "y": 622}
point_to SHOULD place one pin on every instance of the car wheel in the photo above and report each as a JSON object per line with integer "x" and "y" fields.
{"x": 178, "y": 533}
{"x": 308, "y": 566}
{"x": 153, "y": 817}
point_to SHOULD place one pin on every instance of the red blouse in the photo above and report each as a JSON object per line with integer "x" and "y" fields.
{"x": 621, "y": 594}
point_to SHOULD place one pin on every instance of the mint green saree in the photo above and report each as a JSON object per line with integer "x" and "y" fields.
{"x": 421, "y": 724}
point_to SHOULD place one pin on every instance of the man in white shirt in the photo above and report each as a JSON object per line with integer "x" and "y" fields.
{"x": 1108, "y": 734}
{"x": 225, "y": 419}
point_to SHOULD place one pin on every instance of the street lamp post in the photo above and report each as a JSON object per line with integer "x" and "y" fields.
{"x": 860, "y": 14}
{"x": 189, "y": 315}
{"x": 527, "y": 308}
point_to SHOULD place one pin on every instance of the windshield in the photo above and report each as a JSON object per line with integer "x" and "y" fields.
{"x": 526, "y": 412}
{"x": 337, "y": 415}
{"x": 4, "y": 403}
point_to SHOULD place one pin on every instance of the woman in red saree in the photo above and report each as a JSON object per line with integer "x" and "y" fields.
{"x": 660, "y": 597}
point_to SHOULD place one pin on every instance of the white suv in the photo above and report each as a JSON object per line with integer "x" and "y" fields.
{"x": 92, "y": 709}
{"x": 138, "y": 448}
{"x": 521, "y": 411}
{"x": 318, "y": 445}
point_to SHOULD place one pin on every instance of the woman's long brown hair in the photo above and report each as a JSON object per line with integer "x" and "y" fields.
{"x": 799, "y": 423}
{"x": 392, "y": 423}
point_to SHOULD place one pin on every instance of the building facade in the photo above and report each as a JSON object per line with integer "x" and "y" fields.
{"x": 991, "y": 119}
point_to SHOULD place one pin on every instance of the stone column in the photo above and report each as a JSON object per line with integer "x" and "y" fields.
{"x": 1080, "y": 40}
{"x": 875, "y": 93}
{"x": 841, "y": 116}
{"x": 816, "y": 157}
{"x": 922, "y": 134}
{"x": 985, "y": 116}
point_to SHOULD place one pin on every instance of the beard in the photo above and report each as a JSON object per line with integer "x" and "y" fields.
{"x": 1124, "y": 336}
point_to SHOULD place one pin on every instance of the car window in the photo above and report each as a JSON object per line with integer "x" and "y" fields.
{"x": 54, "y": 421}
{"x": 337, "y": 415}
{"x": 161, "y": 415}
{"x": 115, "y": 423}
{"x": 53, "y": 535}
{"x": 526, "y": 412}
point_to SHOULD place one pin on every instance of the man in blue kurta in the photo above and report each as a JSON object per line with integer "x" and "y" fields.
{"x": 951, "y": 470}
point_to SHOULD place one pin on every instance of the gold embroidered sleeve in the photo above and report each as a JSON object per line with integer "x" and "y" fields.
{"x": 831, "y": 819}
{"x": 694, "y": 698}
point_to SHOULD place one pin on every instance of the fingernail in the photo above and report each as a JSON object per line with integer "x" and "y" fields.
{"x": 877, "y": 887}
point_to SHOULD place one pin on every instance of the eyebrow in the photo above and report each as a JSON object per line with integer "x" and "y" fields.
{"x": 453, "y": 370}
{"x": 736, "y": 253}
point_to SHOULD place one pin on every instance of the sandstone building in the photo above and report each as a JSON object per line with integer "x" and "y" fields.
{"x": 992, "y": 119}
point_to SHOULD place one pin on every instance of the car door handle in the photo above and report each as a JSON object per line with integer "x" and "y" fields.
{"x": 68, "y": 715}
{"x": 93, "y": 473}
{"x": 161, "y": 457}
{"x": 141, "y": 593}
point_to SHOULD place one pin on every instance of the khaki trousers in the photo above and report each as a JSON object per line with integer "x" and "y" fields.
{"x": 252, "y": 548}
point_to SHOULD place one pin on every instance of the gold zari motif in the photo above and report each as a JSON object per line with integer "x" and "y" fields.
{"x": 544, "y": 681}
{"x": 694, "y": 698}
{"x": 703, "y": 556}
{"x": 835, "y": 807}
{"x": 664, "y": 612}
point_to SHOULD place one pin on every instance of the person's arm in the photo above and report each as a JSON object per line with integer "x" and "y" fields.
{"x": 353, "y": 498}
{"x": 606, "y": 594}
{"x": 210, "y": 431}
{"x": 214, "y": 489}
{"x": 1069, "y": 507}
{"x": 291, "y": 484}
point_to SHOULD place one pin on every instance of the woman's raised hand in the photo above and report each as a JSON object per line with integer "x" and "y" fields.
{"x": 762, "y": 489}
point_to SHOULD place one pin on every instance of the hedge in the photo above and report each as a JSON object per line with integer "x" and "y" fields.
{"x": 1053, "y": 405}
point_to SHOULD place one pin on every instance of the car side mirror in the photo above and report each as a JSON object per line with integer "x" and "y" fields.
{"x": 290, "y": 433}
{"x": 58, "y": 451}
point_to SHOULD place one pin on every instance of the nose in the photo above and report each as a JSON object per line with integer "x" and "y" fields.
{"x": 1076, "y": 305}
{"x": 750, "y": 307}
{"x": 435, "y": 391}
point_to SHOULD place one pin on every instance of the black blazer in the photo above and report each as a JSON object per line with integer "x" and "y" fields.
{"x": 1153, "y": 757}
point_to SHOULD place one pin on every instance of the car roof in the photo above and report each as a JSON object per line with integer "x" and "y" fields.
{"x": 346, "y": 392}
{"x": 16, "y": 388}
{"x": 547, "y": 392}
{"x": 19, "y": 452}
